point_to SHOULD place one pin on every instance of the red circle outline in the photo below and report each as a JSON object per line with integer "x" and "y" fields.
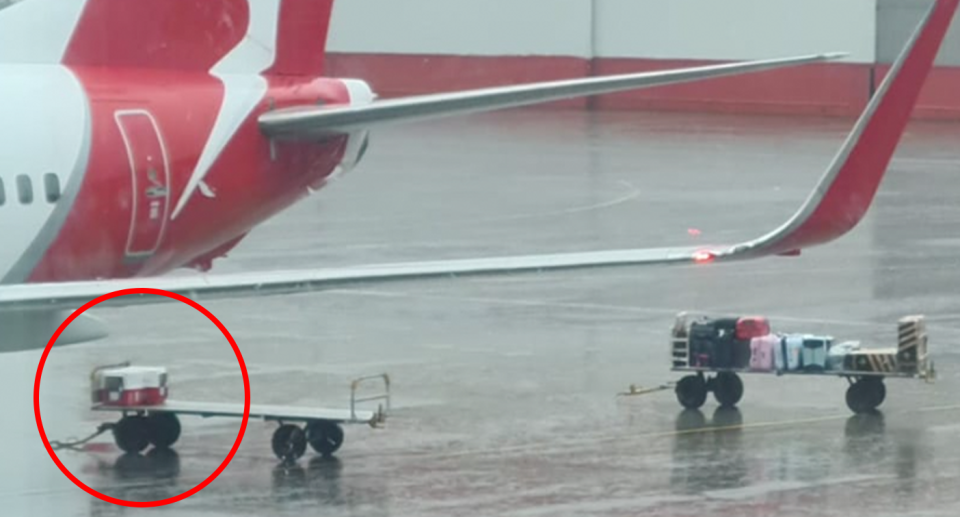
{"x": 246, "y": 393}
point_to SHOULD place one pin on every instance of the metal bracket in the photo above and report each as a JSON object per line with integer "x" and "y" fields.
{"x": 381, "y": 415}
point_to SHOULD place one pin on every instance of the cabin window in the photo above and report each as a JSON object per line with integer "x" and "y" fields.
{"x": 24, "y": 189}
{"x": 51, "y": 183}
{"x": 3, "y": 193}
{"x": 114, "y": 384}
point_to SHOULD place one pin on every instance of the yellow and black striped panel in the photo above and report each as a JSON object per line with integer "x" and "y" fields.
{"x": 912, "y": 342}
{"x": 865, "y": 361}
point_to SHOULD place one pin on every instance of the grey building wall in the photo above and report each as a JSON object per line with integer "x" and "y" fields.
{"x": 896, "y": 21}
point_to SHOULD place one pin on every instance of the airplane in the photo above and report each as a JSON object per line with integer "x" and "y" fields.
{"x": 137, "y": 138}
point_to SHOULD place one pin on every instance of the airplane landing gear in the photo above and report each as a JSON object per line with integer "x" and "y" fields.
{"x": 866, "y": 394}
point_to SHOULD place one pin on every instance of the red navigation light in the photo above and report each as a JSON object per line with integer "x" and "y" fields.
{"x": 703, "y": 257}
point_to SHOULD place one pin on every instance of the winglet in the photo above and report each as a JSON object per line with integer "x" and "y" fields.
{"x": 847, "y": 189}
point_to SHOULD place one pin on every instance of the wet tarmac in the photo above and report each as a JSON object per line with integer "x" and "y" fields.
{"x": 504, "y": 389}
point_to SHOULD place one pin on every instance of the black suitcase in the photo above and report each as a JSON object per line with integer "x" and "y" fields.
{"x": 703, "y": 337}
{"x": 725, "y": 354}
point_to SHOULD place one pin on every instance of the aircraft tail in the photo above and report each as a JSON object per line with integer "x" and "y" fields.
{"x": 276, "y": 37}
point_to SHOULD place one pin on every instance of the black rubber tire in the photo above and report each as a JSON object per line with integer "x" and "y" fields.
{"x": 132, "y": 434}
{"x": 727, "y": 389}
{"x": 289, "y": 442}
{"x": 164, "y": 429}
{"x": 324, "y": 437}
{"x": 691, "y": 392}
{"x": 866, "y": 395}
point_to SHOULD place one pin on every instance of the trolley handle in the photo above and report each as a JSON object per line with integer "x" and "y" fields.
{"x": 385, "y": 396}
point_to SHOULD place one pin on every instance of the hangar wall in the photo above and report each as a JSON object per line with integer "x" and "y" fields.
{"x": 405, "y": 47}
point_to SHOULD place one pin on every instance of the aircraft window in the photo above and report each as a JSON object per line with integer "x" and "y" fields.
{"x": 25, "y": 189}
{"x": 51, "y": 182}
{"x": 3, "y": 193}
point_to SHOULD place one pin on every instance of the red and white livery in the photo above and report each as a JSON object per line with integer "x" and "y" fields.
{"x": 138, "y": 137}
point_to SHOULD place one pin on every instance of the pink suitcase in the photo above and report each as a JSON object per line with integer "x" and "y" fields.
{"x": 762, "y": 352}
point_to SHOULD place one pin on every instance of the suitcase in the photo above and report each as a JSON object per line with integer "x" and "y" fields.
{"x": 725, "y": 354}
{"x": 792, "y": 351}
{"x": 750, "y": 327}
{"x": 838, "y": 353}
{"x": 762, "y": 352}
{"x": 703, "y": 336}
{"x": 880, "y": 361}
{"x": 815, "y": 348}
{"x": 742, "y": 353}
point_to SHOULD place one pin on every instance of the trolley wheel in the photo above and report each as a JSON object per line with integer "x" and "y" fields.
{"x": 324, "y": 437}
{"x": 691, "y": 391}
{"x": 289, "y": 442}
{"x": 727, "y": 389}
{"x": 164, "y": 429}
{"x": 866, "y": 394}
{"x": 132, "y": 434}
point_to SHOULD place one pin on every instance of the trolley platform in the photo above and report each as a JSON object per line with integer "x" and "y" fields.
{"x": 158, "y": 424}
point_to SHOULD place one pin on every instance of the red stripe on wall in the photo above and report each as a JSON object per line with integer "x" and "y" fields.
{"x": 832, "y": 89}
{"x": 821, "y": 89}
{"x": 393, "y": 75}
{"x": 940, "y": 96}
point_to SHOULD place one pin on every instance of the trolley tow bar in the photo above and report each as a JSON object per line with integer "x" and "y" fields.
{"x": 635, "y": 390}
{"x": 75, "y": 444}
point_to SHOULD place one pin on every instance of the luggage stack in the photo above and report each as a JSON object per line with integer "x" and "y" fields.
{"x": 912, "y": 343}
{"x": 722, "y": 343}
{"x": 747, "y": 344}
{"x": 803, "y": 353}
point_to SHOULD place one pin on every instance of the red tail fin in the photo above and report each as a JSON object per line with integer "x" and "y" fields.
{"x": 302, "y": 38}
{"x": 282, "y": 37}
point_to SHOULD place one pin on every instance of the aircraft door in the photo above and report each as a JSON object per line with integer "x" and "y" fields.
{"x": 150, "y": 182}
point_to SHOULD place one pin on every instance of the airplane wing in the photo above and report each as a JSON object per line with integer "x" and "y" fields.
{"x": 313, "y": 122}
{"x": 835, "y": 206}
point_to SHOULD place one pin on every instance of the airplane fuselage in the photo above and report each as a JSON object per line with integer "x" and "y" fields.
{"x": 125, "y": 172}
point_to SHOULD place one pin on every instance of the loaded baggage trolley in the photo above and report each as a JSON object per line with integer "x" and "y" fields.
{"x": 716, "y": 351}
